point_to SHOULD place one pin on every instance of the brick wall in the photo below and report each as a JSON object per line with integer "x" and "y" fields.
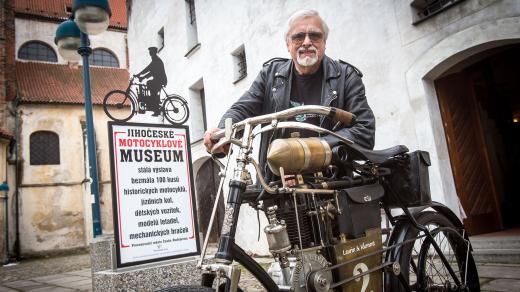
{"x": 7, "y": 58}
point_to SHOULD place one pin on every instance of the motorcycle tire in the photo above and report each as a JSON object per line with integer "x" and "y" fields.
{"x": 420, "y": 266}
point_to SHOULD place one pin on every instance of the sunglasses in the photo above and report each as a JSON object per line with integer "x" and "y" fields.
{"x": 314, "y": 36}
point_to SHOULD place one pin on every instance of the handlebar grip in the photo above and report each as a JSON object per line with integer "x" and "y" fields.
{"x": 339, "y": 115}
{"x": 215, "y": 137}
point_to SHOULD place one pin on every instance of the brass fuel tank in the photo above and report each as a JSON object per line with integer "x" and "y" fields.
{"x": 298, "y": 155}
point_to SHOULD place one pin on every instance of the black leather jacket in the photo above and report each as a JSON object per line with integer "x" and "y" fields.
{"x": 342, "y": 88}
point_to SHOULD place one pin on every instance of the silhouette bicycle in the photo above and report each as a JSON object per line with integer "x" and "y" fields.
{"x": 122, "y": 105}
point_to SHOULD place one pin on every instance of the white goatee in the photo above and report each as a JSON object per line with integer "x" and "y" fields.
{"x": 307, "y": 61}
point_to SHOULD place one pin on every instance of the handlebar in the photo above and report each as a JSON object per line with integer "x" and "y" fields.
{"x": 336, "y": 114}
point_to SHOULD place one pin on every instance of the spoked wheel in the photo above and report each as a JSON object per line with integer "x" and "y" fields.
{"x": 175, "y": 110}
{"x": 422, "y": 266}
{"x": 433, "y": 274}
{"x": 119, "y": 106}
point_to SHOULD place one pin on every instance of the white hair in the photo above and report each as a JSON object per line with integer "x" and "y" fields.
{"x": 303, "y": 14}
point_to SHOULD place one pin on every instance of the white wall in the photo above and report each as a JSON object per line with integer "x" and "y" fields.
{"x": 377, "y": 36}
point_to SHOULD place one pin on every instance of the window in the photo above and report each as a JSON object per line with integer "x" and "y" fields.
{"x": 68, "y": 9}
{"x": 44, "y": 148}
{"x": 160, "y": 39}
{"x": 240, "y": 64}
{"x": 37, "y": 51}
{"x": 198, "y": 108}
{"x": 424, "y": 9}
{"x": 191, "y": 27}
{"x": 102, "y": 57}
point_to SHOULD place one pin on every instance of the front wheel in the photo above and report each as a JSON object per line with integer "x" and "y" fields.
{"x": 175, "y": 110}
{"x": 119, "y": 105}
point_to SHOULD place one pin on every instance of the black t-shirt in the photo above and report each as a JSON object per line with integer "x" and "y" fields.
{"x": 306, "y": 90}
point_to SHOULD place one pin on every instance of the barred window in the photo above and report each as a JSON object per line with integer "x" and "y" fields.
{"x": 191, "y": 11}
{"x": 44, "y": 148}
{"x": 37, "y": 51}
{"x": 240, "y": 63}
{"x": 102, "y": 57}
{"x": 191, "y": 28}
{"x": 424, "y": 9}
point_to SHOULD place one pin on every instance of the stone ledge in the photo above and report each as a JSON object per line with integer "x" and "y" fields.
{"x": 149, "y": 278}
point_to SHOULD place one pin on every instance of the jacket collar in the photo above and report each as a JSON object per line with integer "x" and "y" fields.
{"x": 330, "y": 69}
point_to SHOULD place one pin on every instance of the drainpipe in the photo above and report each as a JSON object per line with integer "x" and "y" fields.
{"x": 16, "y": 115}
{"x": 4, "y": 187}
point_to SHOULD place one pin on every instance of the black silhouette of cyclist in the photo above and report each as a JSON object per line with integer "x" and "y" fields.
{"x": 155, "y": 70}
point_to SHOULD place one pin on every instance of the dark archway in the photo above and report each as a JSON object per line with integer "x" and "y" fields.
{"x": 479, "y": 100}
{"x": 207, "y": 182}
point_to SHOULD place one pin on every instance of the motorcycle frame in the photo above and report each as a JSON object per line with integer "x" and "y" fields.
{"x": 228, "y": 251}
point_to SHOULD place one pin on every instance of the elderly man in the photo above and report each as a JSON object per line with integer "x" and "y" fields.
{"x": 309, "y": 78}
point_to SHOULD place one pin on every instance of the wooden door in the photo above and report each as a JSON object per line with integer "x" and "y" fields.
{"x": 468, "y": 154}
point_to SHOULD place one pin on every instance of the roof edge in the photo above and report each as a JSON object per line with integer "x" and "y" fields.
{"x": 58, "y": 19}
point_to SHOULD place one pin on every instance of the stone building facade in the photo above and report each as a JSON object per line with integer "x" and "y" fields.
{"x": 407, "y": 50}
{"x": 49, "y": 206}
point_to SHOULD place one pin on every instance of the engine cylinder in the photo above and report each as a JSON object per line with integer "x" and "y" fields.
{"x": 298, "y": 155}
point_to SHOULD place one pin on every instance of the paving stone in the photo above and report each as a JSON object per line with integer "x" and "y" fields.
{"x": 504, "y": 271}
{"x": 53, "y": 289}
{"x": 84, "y": 273}
{"x": 77, "y": 284}
{"x": 501, "y": 285}
{"x": 32, "y": 268}
{"x": 65, "y": 279}
{"x": 85, "y": 287}
{"x": 7, "y": 289}
{"x": 48, "y": 278}
{"x": 22, "y": 284}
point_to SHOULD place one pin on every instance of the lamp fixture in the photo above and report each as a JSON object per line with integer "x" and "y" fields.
{"x": 68, "y": 40}
{"x": 91, "y": 16}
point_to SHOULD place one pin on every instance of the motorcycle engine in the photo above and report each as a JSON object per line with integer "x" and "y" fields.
{"x": 300, "y": 269}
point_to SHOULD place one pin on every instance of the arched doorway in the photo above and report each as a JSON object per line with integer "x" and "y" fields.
{"x": 479, "y": 101}
{"x": 207, "y": 181}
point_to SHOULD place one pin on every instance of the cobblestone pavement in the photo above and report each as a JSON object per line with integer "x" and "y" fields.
{"x": 72, "y": 273}
{"x": 32, "y": 268}
{"x": 64, "y": 273}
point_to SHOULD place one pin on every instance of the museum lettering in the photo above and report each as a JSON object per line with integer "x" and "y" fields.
{"x": 148, "y": 155}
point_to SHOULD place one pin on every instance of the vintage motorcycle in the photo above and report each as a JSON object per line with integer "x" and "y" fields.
{"x": 326, "y": 230}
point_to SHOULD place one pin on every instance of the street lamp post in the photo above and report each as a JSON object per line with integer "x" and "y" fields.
{"x": 90, "y": 17}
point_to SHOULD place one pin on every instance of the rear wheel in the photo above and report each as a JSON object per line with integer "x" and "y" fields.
{"x": 421, "y": 265}
{"x": 119, "y": 105}
{"x": 175, "y": 110}
{"x": 433, "y": 274}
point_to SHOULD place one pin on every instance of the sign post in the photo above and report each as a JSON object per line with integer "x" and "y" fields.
{"x": 152, "y": 186}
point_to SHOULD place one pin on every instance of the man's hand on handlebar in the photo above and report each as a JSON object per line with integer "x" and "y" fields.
{"x": 138, "y": 77}
{"x": 209, "y": 143}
